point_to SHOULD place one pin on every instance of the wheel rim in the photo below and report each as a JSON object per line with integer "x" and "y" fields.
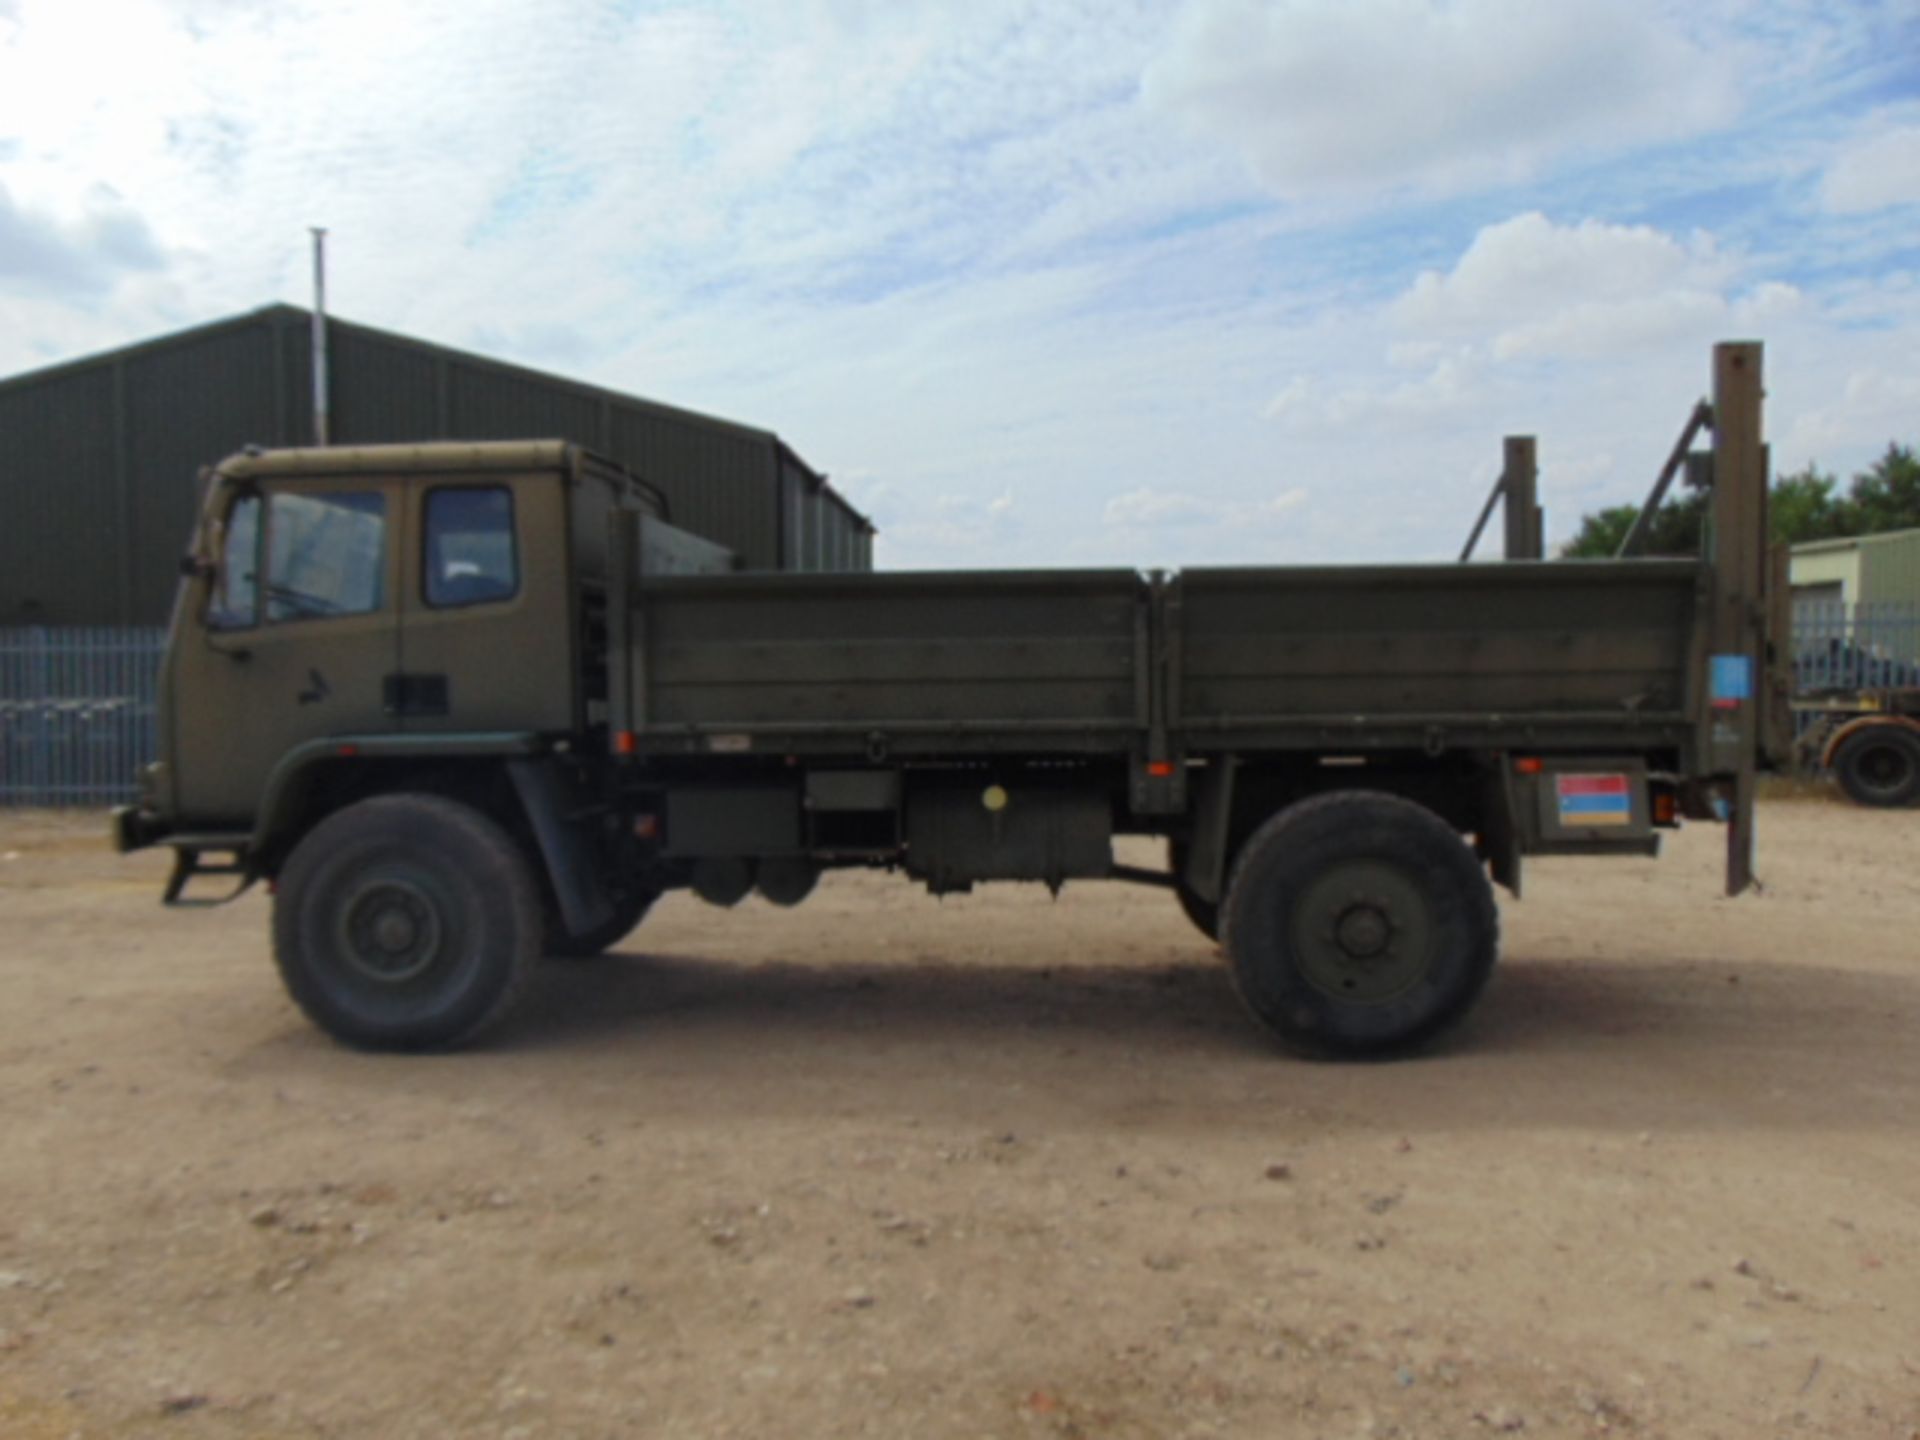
{"x": 390, "y": 930}
{"x": 1884, "y": 769}
{"x": 1363, "y": 932}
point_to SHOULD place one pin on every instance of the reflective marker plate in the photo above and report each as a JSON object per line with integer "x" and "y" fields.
{"x": 1594, "y": 799}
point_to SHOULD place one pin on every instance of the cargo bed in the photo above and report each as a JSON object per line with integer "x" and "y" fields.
{"x": 1596, "y": 654}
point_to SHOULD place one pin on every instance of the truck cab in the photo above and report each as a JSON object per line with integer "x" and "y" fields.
{"x": 381, "y": 593}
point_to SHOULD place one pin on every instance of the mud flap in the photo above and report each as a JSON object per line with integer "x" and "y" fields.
{"x": 566, "y": 853}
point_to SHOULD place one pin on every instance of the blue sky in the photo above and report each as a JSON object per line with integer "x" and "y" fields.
{"x": 1220, "y": 281}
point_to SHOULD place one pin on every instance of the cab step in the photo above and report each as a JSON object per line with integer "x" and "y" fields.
{"x": 190, "y": 861}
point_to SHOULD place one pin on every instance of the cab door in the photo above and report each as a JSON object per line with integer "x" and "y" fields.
{"x": 487, "y": 624}
{"x": 297, "y": 634}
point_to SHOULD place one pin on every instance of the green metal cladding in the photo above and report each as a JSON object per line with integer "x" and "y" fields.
{"x": 100, "y": 458}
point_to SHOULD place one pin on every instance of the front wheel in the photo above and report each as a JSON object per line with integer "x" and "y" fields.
{"x": 406, "y": 922}
{"x": 1879, "y": 765}
{"x": 1358, "y": 923}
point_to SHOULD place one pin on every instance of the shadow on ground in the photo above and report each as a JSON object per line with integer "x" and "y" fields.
{"x": 1601, "y": 1044}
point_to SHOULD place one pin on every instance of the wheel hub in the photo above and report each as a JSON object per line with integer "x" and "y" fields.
{"x": 394, "y": 931}
{"x": 1363, "y": 931}
{"x": 1885, "y": 768}
{"x": 390, "y": 930}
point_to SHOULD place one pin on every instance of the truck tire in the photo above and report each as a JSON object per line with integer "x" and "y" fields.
{"x": 406, "y": 922}
{"x": 1358, "y": 923}
{"x": 1205, "y": 914}
{"x": 1879, "y": 765}
{"x": 628, "y": 911}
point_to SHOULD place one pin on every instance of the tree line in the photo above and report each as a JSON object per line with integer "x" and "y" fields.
{"x": 1806, "y": 505}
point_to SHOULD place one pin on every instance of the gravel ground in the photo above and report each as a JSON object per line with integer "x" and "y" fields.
{"x": 993, "y": 1166}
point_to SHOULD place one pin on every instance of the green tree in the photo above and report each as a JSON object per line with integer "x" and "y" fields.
{"x": 1886, "y": 495}
{"x": 1803, "y": 506}
{"x": 1600, "y": 533}
{"x": 1675, "y": 529}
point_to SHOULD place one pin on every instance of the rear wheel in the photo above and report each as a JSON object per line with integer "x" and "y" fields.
{"x": 406, "y": 922}
{"x": 1358, "y": 923}
{"x": 1880, "y": 765}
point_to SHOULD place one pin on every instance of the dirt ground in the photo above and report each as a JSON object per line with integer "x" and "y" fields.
{"x": 993, "y": 1166}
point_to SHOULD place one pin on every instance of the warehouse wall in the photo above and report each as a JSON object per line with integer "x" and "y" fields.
{"x": 1823, "y": 566}
{"x": 62, "y": 501}
{"x": 1869, "y": 569}
{"x": 1890, "y": 568}
{"x": 99, "y": 459}
{"x": 823, "y": 532}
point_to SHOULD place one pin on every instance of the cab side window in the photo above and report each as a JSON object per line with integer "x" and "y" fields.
{"x": 470, "y": 556}
{"x": 326, "y": 553}
{"x": 236, "y": 600}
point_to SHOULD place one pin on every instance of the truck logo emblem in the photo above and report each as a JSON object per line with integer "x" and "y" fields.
{"x": 317, "y": 689}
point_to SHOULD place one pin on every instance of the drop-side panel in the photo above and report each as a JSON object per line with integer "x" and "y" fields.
{"x": 1501, "y": 645}
{"x": 1022, "y": 654}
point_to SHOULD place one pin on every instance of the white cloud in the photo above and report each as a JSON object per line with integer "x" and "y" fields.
{"x": 964, "y": 255}
{"x": 1148, "y": 508}
{"x": 1873, "y": 405}
{"x": 1521, "y": 269}
{"x": 1530, "y": 289}
{"x": 82, "y": 254}
{"x": 1595, "y": 337}
{"x": 1438, "y": 97}
{"x": 1876, "y": 171}
{"x": 1449, "y": 387}
{"x": 1613, "y": 327}
{"x": 950, "y": 529}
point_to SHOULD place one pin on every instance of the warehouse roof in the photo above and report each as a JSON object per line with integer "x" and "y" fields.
{"x": 293, "y": 314}
{"x": 100, "y": 456}
{"x": 1857, "y": 542}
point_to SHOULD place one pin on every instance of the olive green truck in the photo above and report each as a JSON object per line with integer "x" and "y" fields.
{"x": 468, "y": 705}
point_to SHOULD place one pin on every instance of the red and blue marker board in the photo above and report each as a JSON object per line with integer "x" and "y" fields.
{"x": 1594, "y": 799}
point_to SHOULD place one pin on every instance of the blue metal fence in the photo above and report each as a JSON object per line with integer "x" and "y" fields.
{"x": 1841, "y": 647}
{"x": 76, "y": 713}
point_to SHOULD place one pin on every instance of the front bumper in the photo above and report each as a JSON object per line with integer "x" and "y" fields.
{"x": 135, "y": 828}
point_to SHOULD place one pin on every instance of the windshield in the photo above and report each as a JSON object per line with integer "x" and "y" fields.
{"x": 326, "y": 553}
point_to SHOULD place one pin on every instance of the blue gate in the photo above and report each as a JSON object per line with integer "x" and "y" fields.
{"x": 77, "y": 713}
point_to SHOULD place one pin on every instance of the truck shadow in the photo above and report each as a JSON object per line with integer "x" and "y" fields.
{"x": 638, "y": 994}
{"x": 1610, "y": 1044}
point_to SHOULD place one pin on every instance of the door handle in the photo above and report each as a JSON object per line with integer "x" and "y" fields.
{"x": 404, "y": 694}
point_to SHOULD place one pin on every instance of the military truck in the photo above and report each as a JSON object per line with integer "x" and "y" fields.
{"x": 466, "y": 705}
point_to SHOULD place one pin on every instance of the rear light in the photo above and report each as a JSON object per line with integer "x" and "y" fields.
{"x": 1528, "y": 765}
{"x": 1666, "y": 808}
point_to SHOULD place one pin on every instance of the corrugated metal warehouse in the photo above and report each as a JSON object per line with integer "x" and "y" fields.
{"x": 99, "y": 458}
{"x": 1881, "y": 569}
